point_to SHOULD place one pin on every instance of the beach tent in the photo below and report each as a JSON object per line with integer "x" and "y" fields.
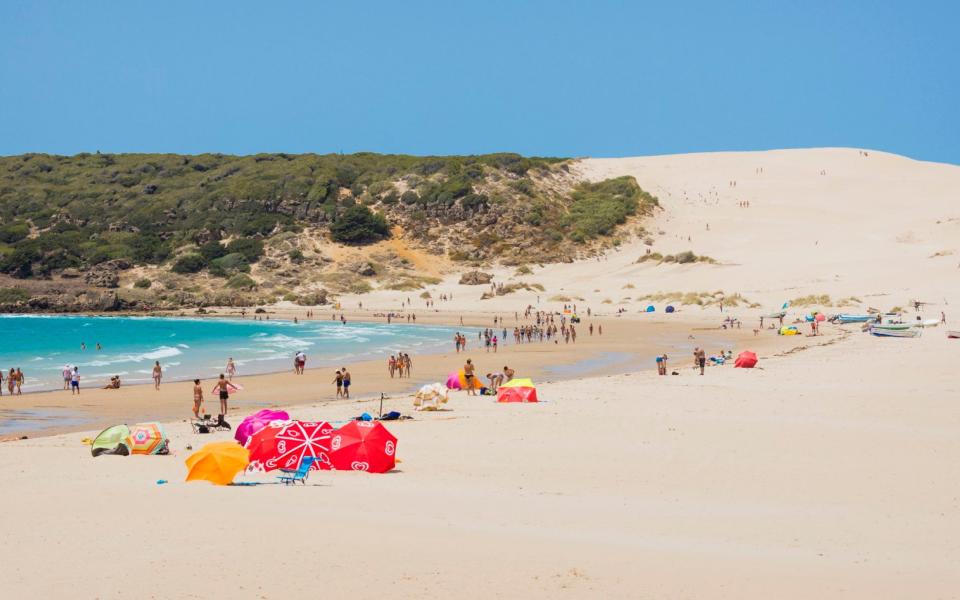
{"x": 112, "y": 440}
{"x": 458, "y": 381}
{"x": 363, "y": 446}
{"x": 670, "y": 309}
{"x": 746, "y": 360}
{"x": 257, "y": 421}
{"x": 517, "y": 390}
{"x": 147, "y": 438}
{"x": 217, "y": 462}
{"x": 789, "y": 330}
{"x": 651, "y": 308}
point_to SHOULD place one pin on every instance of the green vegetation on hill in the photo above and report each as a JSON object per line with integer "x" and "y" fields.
{"x": 219, "y": 214}
{"x": 76, "y": 211}
{"x": 598, "y": 208}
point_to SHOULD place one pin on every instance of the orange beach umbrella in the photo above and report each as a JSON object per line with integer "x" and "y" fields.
{"x": 217, "y": 462}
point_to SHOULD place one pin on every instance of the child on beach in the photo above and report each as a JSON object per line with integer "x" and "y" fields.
{"x": 338, "y": 379}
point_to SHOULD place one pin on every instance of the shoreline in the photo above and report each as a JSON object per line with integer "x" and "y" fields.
{"x": 626, "y": 346}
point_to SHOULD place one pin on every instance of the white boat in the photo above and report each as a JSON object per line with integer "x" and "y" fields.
{"x": 844, "y": 318}
{"x": 909, "y": 332}
{"x": 927, "y": 323}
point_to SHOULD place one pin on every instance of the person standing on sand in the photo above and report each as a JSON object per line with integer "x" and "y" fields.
{"x": 701, "y": 359}
{"x": 468, "y": 375}
{"x": 75, "y": 381}
{"x": 67, "y": 372}
{"x": 197, "y": 398}
{"x": 943, "y": 317}
{"x": 407, "y": 363}
{"x": 346, "y": 382}
{"x": 231, "y": 368}
{"x": 392, "y": 364}
{"x": 19, "y": 380}
{"x": 157, "y": 375}
{"x": 223, "y": 387}
{"x": 338, "y": 379}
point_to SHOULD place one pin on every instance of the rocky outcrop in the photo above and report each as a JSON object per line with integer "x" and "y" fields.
{"x": 107, "y": 274}
{"x": 475, "y": 278}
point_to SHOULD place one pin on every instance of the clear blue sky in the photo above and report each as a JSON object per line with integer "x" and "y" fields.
{"x": 555, "y": 78}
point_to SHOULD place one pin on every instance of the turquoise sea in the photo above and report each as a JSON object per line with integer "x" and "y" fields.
{"x": 41, "y": 345}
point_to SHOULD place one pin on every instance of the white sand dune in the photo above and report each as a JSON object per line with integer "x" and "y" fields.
{"x": 876, "y": 226}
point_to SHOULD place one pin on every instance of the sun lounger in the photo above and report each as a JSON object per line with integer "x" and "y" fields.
{"x": 293, "y": 476}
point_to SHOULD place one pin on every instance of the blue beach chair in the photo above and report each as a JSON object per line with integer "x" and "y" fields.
{"x": 295, "y": 475}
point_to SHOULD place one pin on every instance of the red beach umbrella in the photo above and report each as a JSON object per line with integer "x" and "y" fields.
{"x": 746, "y": 360}
{"x": 363, "y": 446}
{"x": 284, "y": 444}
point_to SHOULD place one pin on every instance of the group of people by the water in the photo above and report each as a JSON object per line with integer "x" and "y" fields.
{"x": 343, "y": 379}
{"x": 14, "y": 381}
{"x": 399, "y": 365}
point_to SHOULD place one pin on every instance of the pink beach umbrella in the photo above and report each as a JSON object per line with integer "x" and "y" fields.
{"x": 257, "y": 421}
{"x": 453, "y": 381}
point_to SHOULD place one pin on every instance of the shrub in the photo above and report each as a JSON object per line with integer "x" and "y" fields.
{"x": 687, "y": 257}
{"x": 230, "y": 265}
{"x": 143, "y": 284}
{"x": 359, "y": 225}
{"x": 189, "y": 263}
{"x": 212, "y": 250}
{"x": 296, "y": 255}
{"x": 13, "y": 295}
{"x": 19, "y": 263}
{"x": 241, "y": 281}
{"x": 252, "y": 250}
{"x": 14, "y": 232}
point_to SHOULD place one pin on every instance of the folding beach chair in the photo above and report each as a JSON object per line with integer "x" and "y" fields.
{"x": 295, "y": 475}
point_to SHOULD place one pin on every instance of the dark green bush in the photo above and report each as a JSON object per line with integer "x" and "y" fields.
{"x": 252, "y": 250}
{"x": 359, "y": 225}
{"x": 14, "y": 232}
{"x": 212, "y": 250}
{"x": 143, "y": 284}
{"x": 189, "y": 263}
{"x": 13, "y": 295}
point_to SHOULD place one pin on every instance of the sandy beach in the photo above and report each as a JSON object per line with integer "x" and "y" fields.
{"x": 829, "y": 472}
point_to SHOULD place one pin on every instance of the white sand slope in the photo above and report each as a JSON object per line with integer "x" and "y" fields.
{"x": 876, "y": 226}
{"x": 867, "y": 227}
